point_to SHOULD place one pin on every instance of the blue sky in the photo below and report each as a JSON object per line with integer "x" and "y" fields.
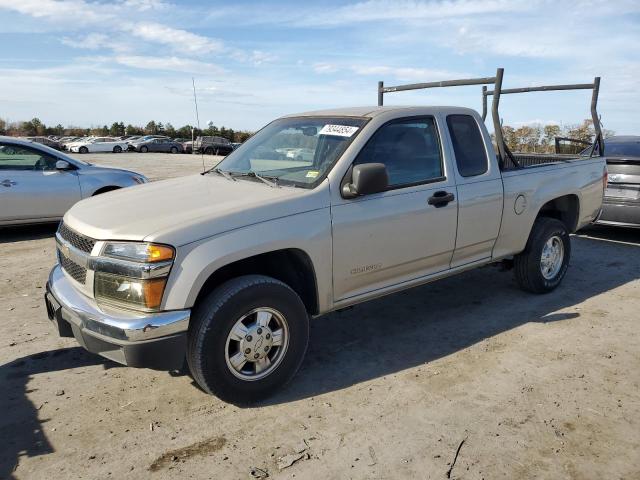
{"x": 85, "y": 63}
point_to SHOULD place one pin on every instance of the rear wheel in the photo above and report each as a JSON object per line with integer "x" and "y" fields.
{"x": 117, "y": 149}
{"x": 543, "y": 264}
{"x": 83, "y": 150}
{"x": 208, "y": 151}
{"x": 144, "y": 149}
{"x": 247, "y": 338}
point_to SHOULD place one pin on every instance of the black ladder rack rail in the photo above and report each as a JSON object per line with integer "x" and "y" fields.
{"x": 594, "y": 87}
{"x": 496, "y": 81}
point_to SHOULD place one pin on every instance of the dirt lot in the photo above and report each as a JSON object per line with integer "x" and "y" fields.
{"x": 535, "y": 386}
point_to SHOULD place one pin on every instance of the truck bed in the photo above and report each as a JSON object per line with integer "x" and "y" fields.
{"x": 534, "y": 159}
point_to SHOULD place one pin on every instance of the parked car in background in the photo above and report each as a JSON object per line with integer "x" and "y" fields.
{"x": 214, "y": 145}
{"x": 66, "y": 141}
{"x": 46, "y": 141}
{"x": 157, "y": 145}
{"x": 39, "y": 184}
{"x": 621, "y": 206}
{"x": 132, "y": 145}
{"x": 187, "y": 147}
{"x": 99, "y": 144}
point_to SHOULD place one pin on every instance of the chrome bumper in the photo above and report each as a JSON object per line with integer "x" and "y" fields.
{"x": 154, "y": 340}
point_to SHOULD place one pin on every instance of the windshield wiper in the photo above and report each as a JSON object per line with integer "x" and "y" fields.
{"x": 272, "y": 181}
{"x": 226, "y": 175}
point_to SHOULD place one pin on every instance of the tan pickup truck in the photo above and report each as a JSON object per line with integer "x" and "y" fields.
{"x": 226, "y": 268}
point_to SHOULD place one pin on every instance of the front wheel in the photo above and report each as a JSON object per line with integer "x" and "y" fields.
{"x": 117, "y": 149}
{"x": 543, "y": 264}
{"x": 174, "y": 149}
{"x": 144, "y": 149}
{"x": 83, "y": 150}
{"x": 247, "y": 338}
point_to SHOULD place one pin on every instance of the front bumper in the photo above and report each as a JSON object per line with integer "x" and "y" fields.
{"x": 156, "y": 340}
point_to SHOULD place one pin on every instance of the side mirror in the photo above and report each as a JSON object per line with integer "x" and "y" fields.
{"x": 366, "y": 179}
{"x": 63, "y": 165}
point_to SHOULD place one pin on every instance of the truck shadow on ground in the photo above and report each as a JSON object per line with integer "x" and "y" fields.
{"x": 421, "y": 325}
{"x": 27, "y": 232}
{"x": 21, "y": 428}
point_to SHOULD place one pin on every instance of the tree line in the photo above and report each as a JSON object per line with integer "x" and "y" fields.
{"x": 35, "y": 127}
{"x": 537, "y": 138}
{"x": 527, "y": 138}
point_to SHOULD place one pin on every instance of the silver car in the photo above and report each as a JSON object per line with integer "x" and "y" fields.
{"x": 39, "y": 184}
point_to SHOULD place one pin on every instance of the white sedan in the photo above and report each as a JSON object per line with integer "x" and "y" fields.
{"x": 99, "y": 144}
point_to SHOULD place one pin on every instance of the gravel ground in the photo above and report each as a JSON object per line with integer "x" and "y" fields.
{"x": 155, "y": 166}
{"x": 523, "y": 386}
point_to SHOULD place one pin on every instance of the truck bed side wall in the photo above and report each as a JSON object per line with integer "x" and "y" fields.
{"x": 539, "y": 185}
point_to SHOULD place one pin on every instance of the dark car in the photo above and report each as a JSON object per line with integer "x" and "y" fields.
{"x": 213, "y": 145}
{"x": 157, "y": 145}
{"x": 46, "y": 141}
{"x": 621, "y": 205}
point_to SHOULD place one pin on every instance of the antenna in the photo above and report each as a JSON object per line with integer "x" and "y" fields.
{"x": 195, "y": 101}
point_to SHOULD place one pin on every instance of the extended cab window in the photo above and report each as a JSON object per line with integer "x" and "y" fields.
{"x": 468, "y": 146}
{"x": 17, "y": 157}
{"x": 409, "y": 148}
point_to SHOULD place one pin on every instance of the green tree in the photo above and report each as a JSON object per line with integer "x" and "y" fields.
{"x": 169, "y": 130}
{"x": 151, "y": 128}
{"x": 3, "y": 127}
{"x": 117, "y": 129}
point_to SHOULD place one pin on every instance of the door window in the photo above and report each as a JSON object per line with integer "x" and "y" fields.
{"x": 468, "y": 145}
{"x": 18, "y": 157}
{"x": 409, "y": 149}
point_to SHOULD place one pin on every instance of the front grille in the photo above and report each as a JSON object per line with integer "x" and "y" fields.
{"x": 79, "y": 241}
{"x": 78, "y": 273}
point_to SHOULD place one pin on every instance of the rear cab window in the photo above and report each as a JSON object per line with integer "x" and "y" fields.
{"x": 468, "y": 145}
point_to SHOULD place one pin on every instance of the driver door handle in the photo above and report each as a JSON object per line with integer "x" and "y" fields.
{"x": 7, "y": 183}
{"x": 441, "y": 198}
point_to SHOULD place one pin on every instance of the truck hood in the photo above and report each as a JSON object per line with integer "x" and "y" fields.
{"x": 187, "y": 209}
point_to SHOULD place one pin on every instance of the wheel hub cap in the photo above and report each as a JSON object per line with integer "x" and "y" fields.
{"x": 552, "y": 257}
{"x": 257, "y": 343}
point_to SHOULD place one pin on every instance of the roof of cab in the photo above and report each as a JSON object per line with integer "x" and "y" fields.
{"x": 375, "y": 111}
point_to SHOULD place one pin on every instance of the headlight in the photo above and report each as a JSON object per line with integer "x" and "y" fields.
{"x": 132, "y": 274}
{"x": 138, "y": 252}
{"x": 129, "y": 292}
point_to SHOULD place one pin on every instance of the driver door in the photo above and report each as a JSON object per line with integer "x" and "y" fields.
{"x": 399, "y": 235}
{"x": 30, "y": 186}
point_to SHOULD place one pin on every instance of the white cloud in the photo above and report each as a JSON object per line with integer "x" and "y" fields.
{"x": 166, "y": 63}
{"x": 179, "y": 40}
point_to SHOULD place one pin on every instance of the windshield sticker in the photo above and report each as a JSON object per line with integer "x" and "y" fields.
{"x": 338, "y": 130}
{"x": 312, "y": 173}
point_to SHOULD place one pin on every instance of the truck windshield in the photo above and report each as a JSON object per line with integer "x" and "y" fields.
{"x": 296, "y": 151}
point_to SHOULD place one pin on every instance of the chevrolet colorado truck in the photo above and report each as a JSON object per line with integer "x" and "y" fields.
{"x": 226, "y": 268}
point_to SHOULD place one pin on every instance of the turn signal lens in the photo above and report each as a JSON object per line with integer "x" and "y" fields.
{"x": 158, "y": 253}
{"x": 138, "y": 252}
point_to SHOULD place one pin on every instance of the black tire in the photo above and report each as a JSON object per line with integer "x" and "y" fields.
{"x": 117, "y": 149}
{"x": 144, "y": 149}
{"x": 174, "y": 149}
{"x": 212, "y": 321}
{"x": 83, "y": 150}
{"x": 208, "y": 151}
{"x": 528, "y": 264}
